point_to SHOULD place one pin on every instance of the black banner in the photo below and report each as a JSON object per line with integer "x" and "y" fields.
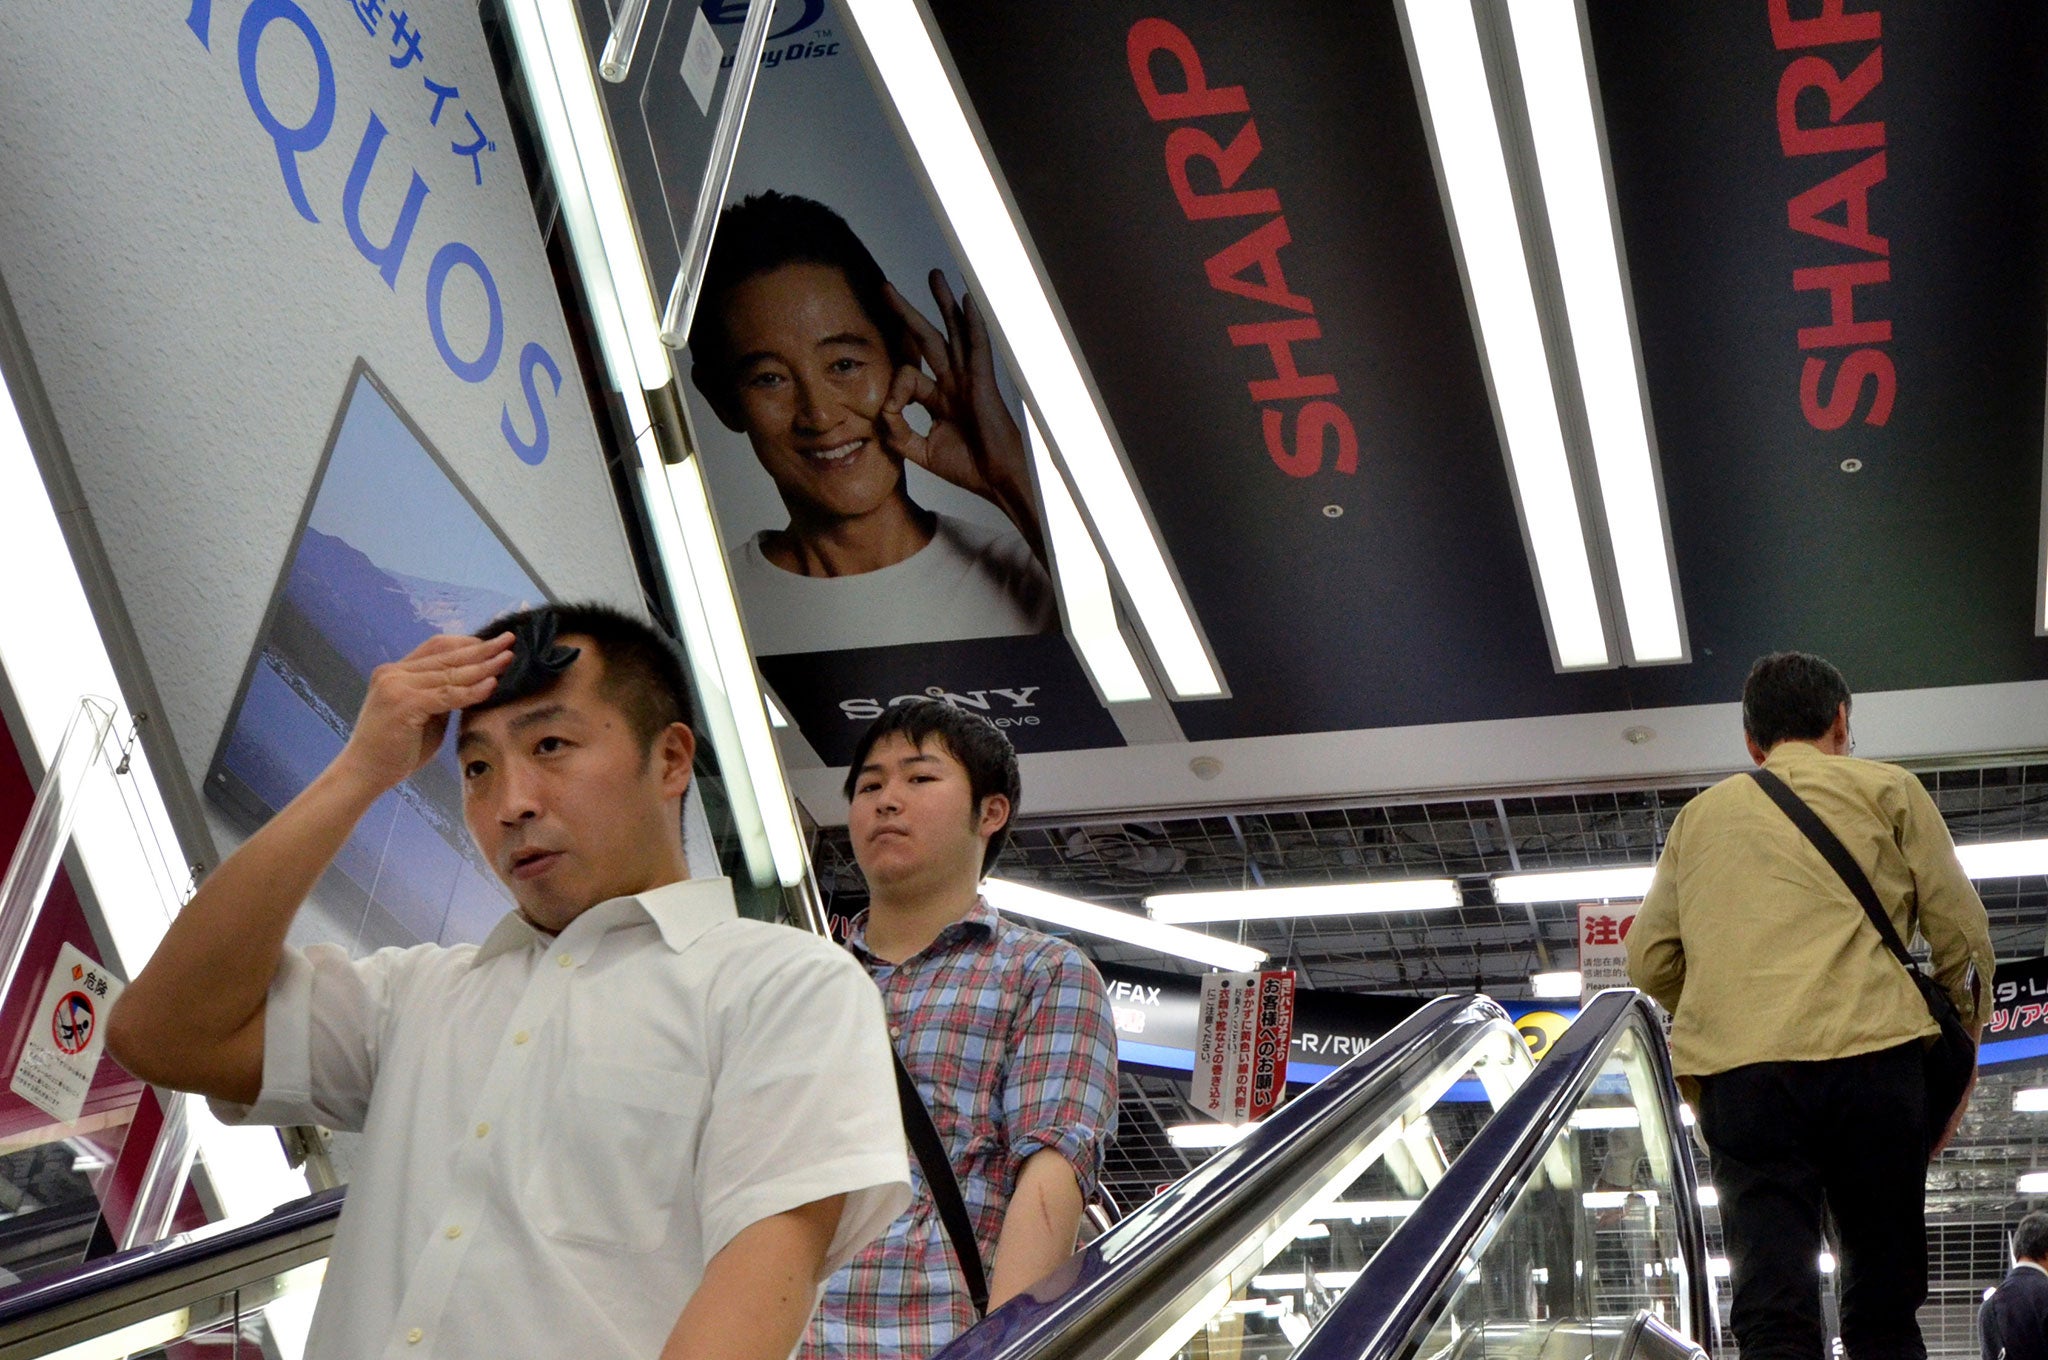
{"x": 1844, "y": 344}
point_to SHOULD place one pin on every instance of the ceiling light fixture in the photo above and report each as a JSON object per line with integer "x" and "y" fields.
{"x": 2034, "y": 1183}
{"x": 2030, "y": 1100}
{"x": 1557, "y": 986}
{"x": 931, "y": 114}
{"x": 1316, "y": 899}
{"x": 549, "y": 40}
{"x": 1558, "y": 92}
{"x": 1573, "y": 885}
{"x": 1206, "y": 1134}
{"x": 1459, "y": 110}
{"x": 1129, "y": 927}
{"x": 2004, "y": 859}
{"x": 1607, "y": 1117}
{"x": 1084, "y": 584}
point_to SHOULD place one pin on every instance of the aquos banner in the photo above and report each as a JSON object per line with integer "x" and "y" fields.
{"x": 289, "y": 342}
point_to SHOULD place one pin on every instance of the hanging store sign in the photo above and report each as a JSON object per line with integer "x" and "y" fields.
{"x": 1603, "y": 945}
{"x": 1246, "y": 1024}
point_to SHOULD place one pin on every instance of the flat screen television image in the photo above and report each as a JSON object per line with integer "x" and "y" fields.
{"x": 391, "y": 549}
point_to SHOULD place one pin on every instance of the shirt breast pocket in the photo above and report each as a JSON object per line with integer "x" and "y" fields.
{"x": 613, "y": 1155}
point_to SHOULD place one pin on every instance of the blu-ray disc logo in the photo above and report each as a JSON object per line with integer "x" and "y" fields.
{"x": 735, "y": 11}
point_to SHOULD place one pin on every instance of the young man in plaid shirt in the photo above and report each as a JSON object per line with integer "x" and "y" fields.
{"x": 1006, "y": 1031}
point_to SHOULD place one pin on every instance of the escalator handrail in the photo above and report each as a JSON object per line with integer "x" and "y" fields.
{"x": 1152, "y": 1240}
{"x": 196, "y": 1255}
{"x": 1413, "y": 1274}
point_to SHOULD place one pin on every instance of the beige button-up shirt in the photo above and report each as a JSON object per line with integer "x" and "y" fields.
{"x": 560, "y": 1133}
{"x": 1759, "y": 950}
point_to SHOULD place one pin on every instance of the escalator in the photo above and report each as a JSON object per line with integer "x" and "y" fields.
{"x": 1440, "y": 1197}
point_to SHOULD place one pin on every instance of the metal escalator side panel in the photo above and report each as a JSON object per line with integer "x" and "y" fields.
{"x": 131, "y": 1287}
{"x": 1414, "y": 1278}
{"x": 1184, "y": 1251}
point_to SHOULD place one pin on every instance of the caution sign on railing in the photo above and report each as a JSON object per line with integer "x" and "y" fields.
{"x": 1247, "y": 1024}
{"x": 65, "y": 1036}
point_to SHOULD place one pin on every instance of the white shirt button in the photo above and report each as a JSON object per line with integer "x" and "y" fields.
{"x": 521, "y": 1037}
{"x": 412, "y": 1338}
{"x": 453, "y": 1232}
{"x": 895, "y": 1031}
{"x": 483, "y": 1130}
{"x": 566, "y": 962}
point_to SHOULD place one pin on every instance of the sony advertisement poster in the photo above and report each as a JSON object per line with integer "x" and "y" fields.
{"x": 864, "y": 447}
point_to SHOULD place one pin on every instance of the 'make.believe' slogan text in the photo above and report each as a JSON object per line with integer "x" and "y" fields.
{"x": 1847, "y": 190}
{"x": 1230, "y": 269}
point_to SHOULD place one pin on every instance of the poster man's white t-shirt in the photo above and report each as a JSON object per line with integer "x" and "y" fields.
{"x": 969, "y": 581}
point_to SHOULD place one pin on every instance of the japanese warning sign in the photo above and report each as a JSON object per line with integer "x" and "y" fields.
{"x": 1247, "y": 1023}
{"x": 1603, "y": 945}
{"x": 65, "y": 1036}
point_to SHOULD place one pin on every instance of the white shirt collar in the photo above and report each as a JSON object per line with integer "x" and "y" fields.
{"x": 2030, "y": 1265}
{"x": 681, "y": 911}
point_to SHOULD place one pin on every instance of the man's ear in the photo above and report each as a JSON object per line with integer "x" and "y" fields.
{"x": 675, "y": 751}
{"x": 723, "y": 404}
{"x": 994, "y": 816}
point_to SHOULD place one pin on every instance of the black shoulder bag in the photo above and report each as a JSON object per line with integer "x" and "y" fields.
{"x": 945, "y": 1185}
{"x": 1952, "y": 1059}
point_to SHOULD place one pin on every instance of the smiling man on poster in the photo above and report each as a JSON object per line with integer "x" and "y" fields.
{"x": 629, "y": 1123}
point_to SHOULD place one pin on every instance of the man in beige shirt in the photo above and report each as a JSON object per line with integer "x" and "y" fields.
{"x": 1794, "y": 1027}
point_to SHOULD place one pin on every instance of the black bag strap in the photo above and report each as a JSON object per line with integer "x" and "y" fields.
{"x": 944, "y": 1184}
{"x": 1835, "y": 853}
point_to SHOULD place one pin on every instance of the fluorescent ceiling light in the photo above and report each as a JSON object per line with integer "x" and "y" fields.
{"x": 1709, "y": 1197}
{"x": 1573, "y": 885}
{"x": 1607, "y": 1117}
{"x": 1335, "y": 1280}
{"x": 1556, "y": 986}
{"x": 1618, "y": 1199}
{"x": 2034, "y": 1183}
{"x": 2004, "y": 859}
{"x": 1358, "y": 1210}
{"x": 2030, "y": 1100}
{"x": 1084, "y": 584}
{"x": 1460, "y": 112}
{"x": 931, "y": 114}
{"x": 1126, "y": 926}
{"x": 549, "y": 40}
{"x": 1575, "y": 193}
{"x": 1207, "y": 1134}
{"x": 1318, "y": 899}
{"x": 1718, "y": 1268}
{"x": 1827, "y": 1263}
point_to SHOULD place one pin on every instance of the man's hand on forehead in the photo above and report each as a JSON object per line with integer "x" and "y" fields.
{"x": 405, "y": 714}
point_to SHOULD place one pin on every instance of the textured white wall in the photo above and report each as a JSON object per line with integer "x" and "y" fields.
{"x": 195, "y": 333}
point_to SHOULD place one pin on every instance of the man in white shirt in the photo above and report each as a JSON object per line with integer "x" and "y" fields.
{"x": 629, "y": 1123}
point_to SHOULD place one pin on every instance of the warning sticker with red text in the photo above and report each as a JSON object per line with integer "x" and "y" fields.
{"x": 65, "y": 1036}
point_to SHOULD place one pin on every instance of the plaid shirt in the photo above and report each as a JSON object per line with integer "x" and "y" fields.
{"x": 1009, "y": 1036}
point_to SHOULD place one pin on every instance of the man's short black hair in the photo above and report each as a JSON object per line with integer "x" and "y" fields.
{"x": 974, "y": 741}
{"x": 645, "y": 674}
{"x": 1791, "y": 696}
{"x": 764, "y": 232}
{"x": 2030, "y": 1238}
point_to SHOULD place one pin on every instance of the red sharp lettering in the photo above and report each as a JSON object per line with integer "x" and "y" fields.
{"x": 1828, "y": 27}
{"x": 1195, "y": 99}
{"x": 1311, "y": 424}
{"x": 1815, "y": 73}
{"x": 1834, "y": 412}
{"x": 1279, "y": 337}
{"x": 1261, "y": 247}
{"x": 1851, "y": 189}
{"x": 1188, "y": 144}
{"x": 1841, "y": 281}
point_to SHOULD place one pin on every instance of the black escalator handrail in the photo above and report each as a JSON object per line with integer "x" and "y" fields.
{"x": 1160, "y": 1248}
{"x": 1407, "y": 1282}
{"x": 169, "y": 1274}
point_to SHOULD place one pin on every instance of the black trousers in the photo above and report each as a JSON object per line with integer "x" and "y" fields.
{"x": 1792, "y": 1140}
